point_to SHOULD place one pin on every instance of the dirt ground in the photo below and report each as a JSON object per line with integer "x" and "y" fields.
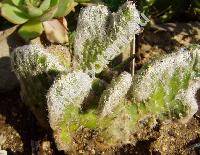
{"x": 22, "y": 135}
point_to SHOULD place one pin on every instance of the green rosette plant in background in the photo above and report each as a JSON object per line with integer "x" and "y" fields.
{"x": 32, "y": 14}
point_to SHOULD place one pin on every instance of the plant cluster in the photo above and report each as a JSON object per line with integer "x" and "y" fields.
{"x": 164, "y": 90}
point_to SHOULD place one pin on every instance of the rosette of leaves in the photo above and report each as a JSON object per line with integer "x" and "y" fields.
{"x": 31, "y": 13}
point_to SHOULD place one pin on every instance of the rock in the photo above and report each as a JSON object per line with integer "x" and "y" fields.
{"x": 8, "y": 41}
{"x": 10, "y": 139}
{"x": 45, "y": 148}
{"x": 3, "y": 152}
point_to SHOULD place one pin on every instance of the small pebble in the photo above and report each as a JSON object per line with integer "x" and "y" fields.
{"x": 3, "y": 152}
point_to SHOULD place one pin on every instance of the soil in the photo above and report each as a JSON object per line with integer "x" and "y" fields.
{"x": 19, "y": 129}
{"x": 166, "y": 38}
{"x": 20, "y": 133}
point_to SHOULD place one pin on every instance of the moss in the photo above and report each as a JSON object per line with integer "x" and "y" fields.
{"x": 42, "y": 60}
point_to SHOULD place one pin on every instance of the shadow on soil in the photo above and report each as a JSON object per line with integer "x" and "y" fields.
{"x": 23, "y": 121}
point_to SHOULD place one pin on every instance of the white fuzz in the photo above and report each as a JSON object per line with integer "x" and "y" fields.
{"x": 103, "y": 34}
{"x": 112, "y": 96}
{"x": 91, "y": 23}
{"x": 189, "y": 97}
{"x": 69, "y": 89}
{"x": 25, "y": 60}
{"x": 144, "y": 85}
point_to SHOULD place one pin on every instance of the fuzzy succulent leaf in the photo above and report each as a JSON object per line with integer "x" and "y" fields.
{"x": 36, "y": 70}
{"x": 70, "y": 89}
{"x": 161, "y": 85}
{"x": 101, "y": 35}
{"x": 115, "y": 93}
{"x": 64, "y": 101}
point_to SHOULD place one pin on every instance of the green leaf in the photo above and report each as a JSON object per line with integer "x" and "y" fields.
{"x": 33, "y": 11}
{"x": 54, "y": 2}
{"x": 65, "y": 7}
{"x": 45, "y": 5}
{"x": 31, "y": 30}
{"x": 82, "y": 1}
{"x": 13, "y": 14}
{"x": 17, "y": 2}
{"x": 196, "y": 3}
{"x": 49, "y": 14}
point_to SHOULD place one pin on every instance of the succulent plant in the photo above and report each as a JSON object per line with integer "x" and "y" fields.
{"x": 31, "y": 13}
{"x": 27, "y": 60}
{"x": 164, "y": 90}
